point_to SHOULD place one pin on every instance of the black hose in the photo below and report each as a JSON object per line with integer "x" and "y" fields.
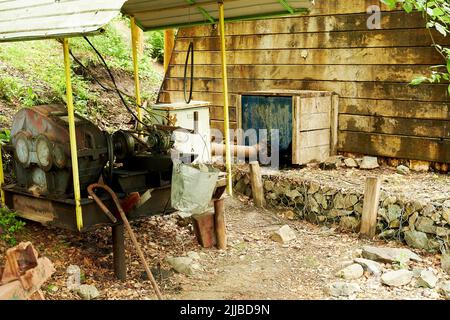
{"x": 115, "y": 85}
{"x": 190, "y": 53}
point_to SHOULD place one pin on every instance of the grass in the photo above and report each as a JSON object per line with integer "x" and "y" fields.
{"x": 39, "y": 78}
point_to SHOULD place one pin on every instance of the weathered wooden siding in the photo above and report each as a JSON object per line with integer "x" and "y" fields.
{"x": 332, "y": 49}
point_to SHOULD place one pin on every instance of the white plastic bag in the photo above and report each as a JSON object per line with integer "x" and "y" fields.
{"x": 192, "y": 188}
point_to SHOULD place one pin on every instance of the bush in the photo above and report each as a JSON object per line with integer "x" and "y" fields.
{"x": 156, "y": 40}
{"x": 9, "y": 226}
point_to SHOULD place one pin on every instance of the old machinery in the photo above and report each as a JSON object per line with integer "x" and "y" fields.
{"x": 128, "y": 161}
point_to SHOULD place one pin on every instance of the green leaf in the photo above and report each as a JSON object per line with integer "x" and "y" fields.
{"x": 408, "y": 7}
{"x": 440, "y": 28}
{"x": 419, "y": 80}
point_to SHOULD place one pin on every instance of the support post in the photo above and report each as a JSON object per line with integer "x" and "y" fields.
{"x": 226, "y": 114}
{"x": 334, "y": 124}
{"x": 219, "y": 224}
{"x": 169, "y": 43}
{"x": 73, "y": 138}
{"x": 257, "y": 185}
{"x": 2, "y": 179}
{"x": 370, "y": 207}
{"x": 137, "y": 85}
{"x": 118, "y": 238}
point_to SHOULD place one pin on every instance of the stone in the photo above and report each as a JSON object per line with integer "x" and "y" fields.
{"x": 416, "y": 239}
{"x": 331, "y": 163}
{"x": 446, "y": 214}
{"x": 350, "y": 163}
{"x": 394, "y": 212}
{"x": 445, "y": 262}
{"x": 349, "y": 223}
{"x": 358, "y": 208}
{"x": 420, "y": 166}
{"x": 293, "y": 194}
{"x": 426, "y": 225}
{"x": 194, "y": 255}
{"x": 88, "y": 292}
{"x": 335, "y": 213}
{"x": 403, "y": 170}
{"x": 444, "y": 289}
{"x": 389, "y": 255}
{"x": 321, "y": 200}
{"x": 268, "y": 185}
{"x": 442, "y": 232}
{"x": 289, "y": 214}
{"x": 343, "y": 289}
{"x": 427, "y": 279}
{"x": 397, "y": 278}
{"x": 412, "y": 220}
{"x": 428, "y": 210}
{"x": 352, "y": 272}
{"x": 388, "y": 234}
{"x": 313, "y": 187}
{"x": 350, "y": 200}
{"x": 284, "y": 234}
{"x": 338, "y": 201}
{"x": 368, "y": 265}
{"x": 389, "y": 200}
{"x": 369, "y": 163}
{"x": 182, "y": 265}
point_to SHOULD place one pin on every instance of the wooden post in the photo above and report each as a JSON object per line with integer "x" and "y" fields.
{"x": 169, "y": 44}
{"x": 334, "y": 124}
{"x": 219, "y": 224}
{"x": 370, "y": 208}
{"x": 204, "y": 229}
{"x": 257, "y": 185}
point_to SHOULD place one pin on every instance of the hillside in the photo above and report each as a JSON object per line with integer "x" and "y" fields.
{"x": 32, "y": 73}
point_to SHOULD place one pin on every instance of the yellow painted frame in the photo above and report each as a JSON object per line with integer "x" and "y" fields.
{"x": 137, "y": 84}
{"x": 226, "y": 114}
{"x": 73, "y": 138}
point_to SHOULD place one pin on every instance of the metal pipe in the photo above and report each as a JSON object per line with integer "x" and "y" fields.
{"x": 2, "y": 179}
{"x": 119, "y": 263}
{"x": 169, "y": 43}
{"x": 218, "y": 149}
{"x": 73, "y": 138}
{"x": 137, "y": 86}
{"x": 226, "y": 115}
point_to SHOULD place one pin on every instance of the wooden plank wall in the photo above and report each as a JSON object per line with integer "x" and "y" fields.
{"x": 331, "y": 49}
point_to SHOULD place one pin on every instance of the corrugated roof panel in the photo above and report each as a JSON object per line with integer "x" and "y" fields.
{"x": 26, "y": 19}
{"x": 153, "y": 14}
{"x": 37, "y": 19}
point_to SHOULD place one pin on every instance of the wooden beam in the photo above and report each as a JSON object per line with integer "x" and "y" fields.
{"x": 169, "y": 43}
{"x": 257, "y": 185}
{"x": 219, "y": 224}
{"x": 334, "y": 124}
{"x": 370, "y": 208}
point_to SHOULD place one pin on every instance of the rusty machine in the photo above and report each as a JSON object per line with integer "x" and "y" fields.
{"x": 128, "y": 161}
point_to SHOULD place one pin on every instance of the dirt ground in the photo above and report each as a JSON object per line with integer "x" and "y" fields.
{"x": 253, "y": 266}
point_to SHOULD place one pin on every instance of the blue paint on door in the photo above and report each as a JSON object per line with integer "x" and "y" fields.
{"x": 269, "y": 112}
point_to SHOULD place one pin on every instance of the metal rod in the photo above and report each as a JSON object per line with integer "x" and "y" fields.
{"x": 169, "y": 43}
{"x": 73, "y": 138}
{"x": 226, "y": 116}
{"x": 2, "y": 179}
{"x": 118, "y": 239}
{"x": 137, "y": 86}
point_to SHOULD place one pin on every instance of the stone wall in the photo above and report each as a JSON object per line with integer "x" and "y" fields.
{"x": 421, "y": 225}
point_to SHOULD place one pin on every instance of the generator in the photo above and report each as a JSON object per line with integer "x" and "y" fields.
{"x": 134, "y": 161}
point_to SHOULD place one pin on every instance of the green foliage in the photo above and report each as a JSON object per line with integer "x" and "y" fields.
{"x": 437, "y": 14}
{"x": 156, "y": 41}
{"x": 5, "y": 136}
{"x": 9, "y": 226}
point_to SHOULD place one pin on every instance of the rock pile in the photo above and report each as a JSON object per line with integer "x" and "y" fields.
{"x": 422, "y": 225}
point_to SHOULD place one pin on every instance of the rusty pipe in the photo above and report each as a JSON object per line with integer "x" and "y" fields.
{"x": 128, "y": 227}
{"x": 219, "y": 149}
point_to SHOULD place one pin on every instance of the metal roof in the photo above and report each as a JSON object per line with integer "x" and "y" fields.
{"x": 156, "y": 14}
{"x": 40, "y": 19}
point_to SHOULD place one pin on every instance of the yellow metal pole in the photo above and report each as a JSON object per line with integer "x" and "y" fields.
{"x": 169, "y": 43}
{"x": 226, "y": 117}
{"x": 73, "y": 138}
{"x": 2, "y": 179}
{"x": 137, "y": 86}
